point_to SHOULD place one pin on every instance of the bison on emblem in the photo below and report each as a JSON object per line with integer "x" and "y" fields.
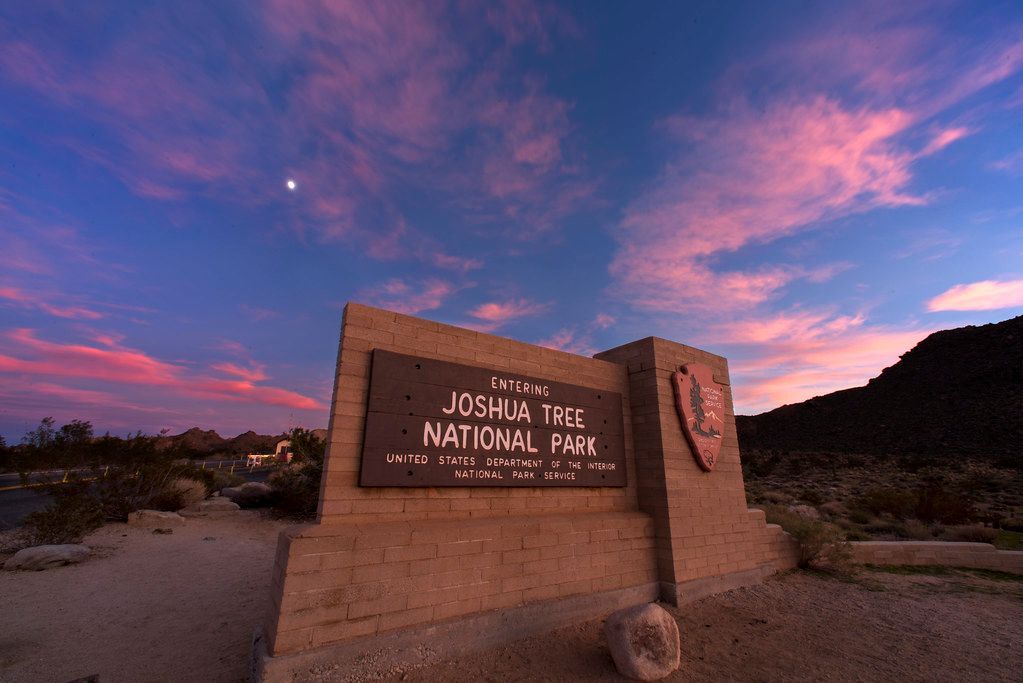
{"x": 701, "y": 406}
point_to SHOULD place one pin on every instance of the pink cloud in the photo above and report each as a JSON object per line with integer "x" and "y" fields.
{"x": 795, "y": 355}
{"x": 409, "y": 298}
{"x": 27, "y": 300}
{"x": 492, "y": 315}
{"x": 986, "y": 295}
{"x": 29, "y": 356}
{"x": 794, "y": 155}
{"x": 578, "y": 339}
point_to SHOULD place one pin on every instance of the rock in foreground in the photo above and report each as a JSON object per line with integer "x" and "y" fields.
{"x": 644, "y": 642}
{"x": 250, "y": 494}
{"x": 47, "y": 556}
{"x": 155, "y": 519}
{"x": 212, "y": 507}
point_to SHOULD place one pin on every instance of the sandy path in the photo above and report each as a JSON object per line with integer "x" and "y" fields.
{"x": 150, "y": 607}
{"x": 182, "y": 607}
{"x": 799, "y": 627}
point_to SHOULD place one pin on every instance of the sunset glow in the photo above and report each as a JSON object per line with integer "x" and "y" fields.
{"x": 190, "y": 193}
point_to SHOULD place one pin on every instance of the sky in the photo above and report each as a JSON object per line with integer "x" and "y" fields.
{"x": 808, "y": 189}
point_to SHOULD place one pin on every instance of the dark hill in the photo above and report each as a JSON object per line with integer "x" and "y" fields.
{"x": 957, "y": 392}
{"x": 209, "y": 442}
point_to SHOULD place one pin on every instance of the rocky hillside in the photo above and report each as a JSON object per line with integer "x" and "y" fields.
{"x": 209, "y": 442}
{"x": 958, "y": 392}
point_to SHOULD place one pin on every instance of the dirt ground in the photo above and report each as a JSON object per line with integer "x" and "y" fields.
{"x": 182, "y": 607}
{"x": 145, "y": 607}
{"x": 798, "y": 627}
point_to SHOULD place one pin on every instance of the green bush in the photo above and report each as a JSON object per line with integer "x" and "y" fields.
{"x": 972, "y": 533}
{"x": 296, "y": 488}
{"x": 820, "y": 544}
{"x": 1011, "y": 523}
{"x": 881, "y": 501}
{"x": 72, "y": 514}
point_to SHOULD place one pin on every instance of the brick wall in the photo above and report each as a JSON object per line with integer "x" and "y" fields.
{"x": 383, "y": 559}
{"x": 380, "y": 559}
{"x": 704, "y": 528}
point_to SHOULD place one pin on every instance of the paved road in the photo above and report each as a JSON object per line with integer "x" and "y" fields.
{"x": 16, "y": 504}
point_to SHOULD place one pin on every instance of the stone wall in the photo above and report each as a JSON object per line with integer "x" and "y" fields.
{"x": 976, "y": 555}
{"x": 380, "y": 560}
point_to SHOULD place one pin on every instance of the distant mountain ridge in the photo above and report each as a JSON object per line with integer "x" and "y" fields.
{"x": 957, "y": 392}
{"x": 208, "y": 441}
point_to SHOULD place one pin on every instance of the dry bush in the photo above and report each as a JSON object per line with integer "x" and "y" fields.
{"x": 820, "y": 544}
{"x": 832, "y": 509}
{"x": 1011, "y": 524}
{"x": 970, "y": 533}
{"x": 72, "y": 514}
{"x": 918, "y": 531}
{"x": 885, "y": 501}
{"x": 775, "y": 497}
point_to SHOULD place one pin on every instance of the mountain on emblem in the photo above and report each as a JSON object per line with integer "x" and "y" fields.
{"x": 700, "y": 402}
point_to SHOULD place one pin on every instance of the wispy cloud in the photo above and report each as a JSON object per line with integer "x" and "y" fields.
{"x": 986, "y": 295}
{"x": 492, "y": 315}
{"x": 107, "y": 360}
{"x": 409, "y": 297}
{"x": 578, "y": 339}
{"x": 35, "y": 301}
{"x": 770, "y": 162}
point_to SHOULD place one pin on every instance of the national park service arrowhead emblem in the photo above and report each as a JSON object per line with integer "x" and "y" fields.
{"x": 701, "y": 407}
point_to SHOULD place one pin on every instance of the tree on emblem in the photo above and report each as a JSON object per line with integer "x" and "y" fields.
{"x": 696, "y": 401}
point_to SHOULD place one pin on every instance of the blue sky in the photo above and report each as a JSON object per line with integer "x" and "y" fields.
{"x": 804, "y": 188}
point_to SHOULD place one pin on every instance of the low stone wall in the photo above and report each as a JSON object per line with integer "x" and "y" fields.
{"x": 350, "y": 580}
{"x": 975, "y": 555}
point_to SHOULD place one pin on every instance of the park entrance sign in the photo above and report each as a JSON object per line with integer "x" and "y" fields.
{"x": 701, "y": 407}
{"x": 435, "y": 423}
{"x": 478, "y": 489}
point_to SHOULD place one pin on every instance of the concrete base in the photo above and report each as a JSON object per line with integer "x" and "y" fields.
{"x": 689, "y": 591}
{"x": 423, "y": 645}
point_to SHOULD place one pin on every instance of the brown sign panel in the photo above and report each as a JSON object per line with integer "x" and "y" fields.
{"x": 434, "y": 423}
{"x": 701, "y": 407}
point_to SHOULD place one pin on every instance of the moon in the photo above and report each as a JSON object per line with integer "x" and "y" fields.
{"x": 291, "y": 184}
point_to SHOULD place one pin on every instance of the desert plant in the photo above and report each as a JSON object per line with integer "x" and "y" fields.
{"x": 879, "y": 501}
{"x": 72, "y": 514}
{"x": 934, "y": 504}
{"x": 820, "y": 544}
{"x": 971, "y": 533}
{"x": 296, "y": 488}
{"x": 832, "y": 509}
{"x": 1011, "y": 523}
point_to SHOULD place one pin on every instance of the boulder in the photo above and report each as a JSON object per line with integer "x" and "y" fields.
{"x": 47, "y": 556}
{"x": 220, "y": 504}
{"x": 250, "y": 494}
{"x": 211, "y": 507}
{"x": 644, "y": 642}
{"x": 152, "y": 519}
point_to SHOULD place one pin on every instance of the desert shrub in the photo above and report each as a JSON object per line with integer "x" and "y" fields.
{"x": 820, "y": 544}
{"x": 177, "y": 494}
{"x": 971, "y": 533}
{"x": 857, "y": 535}
{"x": 881, "y": 501}
{"x": 296, "y": 488}
{"x": 216, "y": 480}
{"x": 894, "y": 529}
{"x": 832, "y": 509}
{"x": 72, "y": 514}
{"x": 934, "y": 504}
{"x": 776, "y": 497}
{"x": 860, "y": 516}
{"x": 811, "y": 496}
{"x": 1011, "y": 523}
{"x": 918, "y": 531}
